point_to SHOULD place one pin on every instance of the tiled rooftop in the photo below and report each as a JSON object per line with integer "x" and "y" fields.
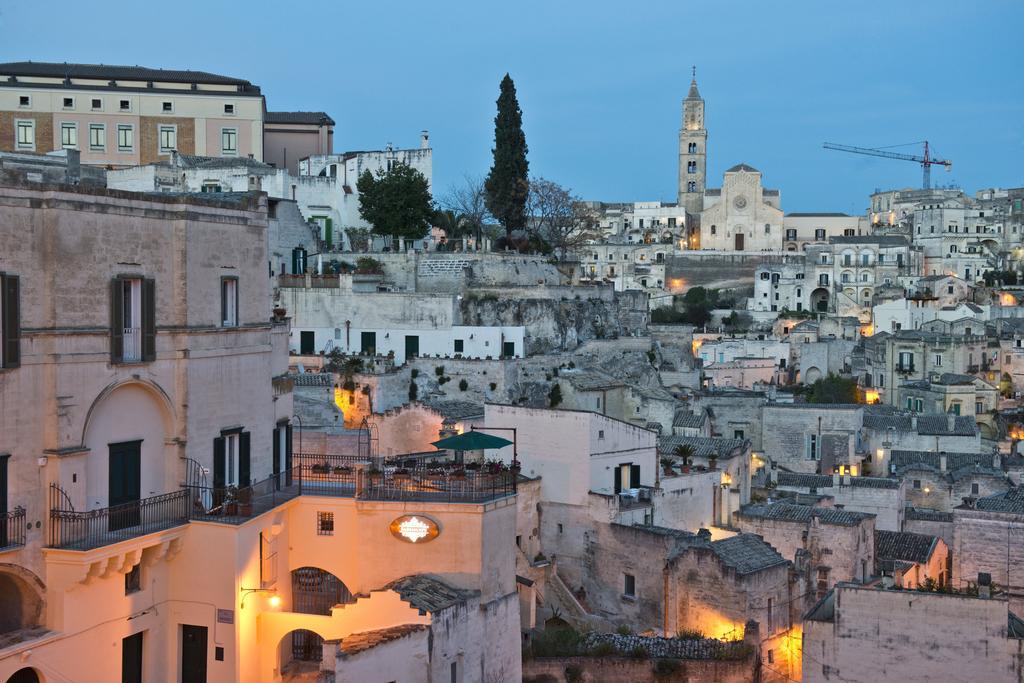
{"x": 361, "y": 642}
{"x": 904, "y": 546}
{"x": 819, "y": 481}
{"x": 931, "y": 460}
{"x": 703, "y": 446}
{"x": 747, "y": 553}
{"x": 929, "y": 425}
{"x": 689, "y": 419}
{"x": 788, "y": 512}
{"x": 925, "y": 515}
{"x": 1011, "y": 501}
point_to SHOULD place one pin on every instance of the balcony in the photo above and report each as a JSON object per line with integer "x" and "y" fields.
{"x": 237, "y": 505}
{"x": 12, "y": 529}
{"x": 73, "y": 530}
{"x": 409, "y": 479}
{"x": 904, "y": 369}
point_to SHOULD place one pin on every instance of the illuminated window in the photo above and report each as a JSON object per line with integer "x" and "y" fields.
{"x": 325, "y": 523}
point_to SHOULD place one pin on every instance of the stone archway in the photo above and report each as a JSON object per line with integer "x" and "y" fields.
{"x": 819, "y": 299}
{"x": 26, "y": 675}
{"x": 21, "y": 601}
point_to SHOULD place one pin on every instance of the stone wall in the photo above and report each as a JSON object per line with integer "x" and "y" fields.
{"x": 618, "y": 669}
{"x": 991, "y": 542}
{"x": 786, "y": 433}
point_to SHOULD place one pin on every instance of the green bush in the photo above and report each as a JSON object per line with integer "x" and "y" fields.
{"x": 555, "y": 395}
{"x": 558, "y": 642}
{"x": 463, "y": 385}
{"x": 415, "y": 373}
{"x": 413, "y": 391}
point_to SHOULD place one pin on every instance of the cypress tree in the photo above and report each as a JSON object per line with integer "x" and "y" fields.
{"x": 507, "y": 187}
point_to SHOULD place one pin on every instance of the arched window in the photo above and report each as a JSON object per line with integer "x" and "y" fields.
{"x": 692, "y": 148}
{"x": 691, "y": 187}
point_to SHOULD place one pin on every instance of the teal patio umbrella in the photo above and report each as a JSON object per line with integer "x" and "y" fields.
{"x": 472, "y": 441}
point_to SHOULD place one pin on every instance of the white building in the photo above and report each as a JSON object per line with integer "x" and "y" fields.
{"x": 741, "y": 215}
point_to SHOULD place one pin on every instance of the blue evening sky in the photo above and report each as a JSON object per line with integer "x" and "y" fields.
{"x": 600, "y": 83}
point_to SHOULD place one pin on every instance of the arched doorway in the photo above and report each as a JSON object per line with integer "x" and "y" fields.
{"x": 314, "y": 591}
{"x": 739, "y": 241}
{"x": 819, "y": 299}
{"x": 25, "y": 676}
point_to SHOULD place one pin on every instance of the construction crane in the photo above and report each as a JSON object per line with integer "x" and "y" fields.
{"x": 926, "y": 161}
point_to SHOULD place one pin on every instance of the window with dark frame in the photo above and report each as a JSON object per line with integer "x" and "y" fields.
{"x": 69, "y": 102}
{"x": 133, "y": 580}
{"x": 97, "y": 103}
{"x": 168, "y": 138}
{"x": 325, "y": 523}
{"x": 459, "y": 345}
{"x": 229, "y": 141}
{"x": 229, "y": 302}
{"x": 68, "y": 135}
{"x": 125, "y": 105}
{"x": 132, "y": 320}
{"x": 24, "y": 101}
{"x": 26, "y": 134}
{"x": 10, "y": 321}
{"x": 125, "y": 138}
{"x": 229, "y": 109}
{"x": 167, "y": 107}
{"x": 629, "y": 585}
{"x": 97, "y": 137}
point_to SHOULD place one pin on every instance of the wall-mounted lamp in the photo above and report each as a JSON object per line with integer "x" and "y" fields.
{"x": 274, "y": 600}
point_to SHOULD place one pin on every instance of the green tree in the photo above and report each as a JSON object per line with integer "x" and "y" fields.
{"x": 833, "y": 389}
{"x": 506, "y": 187}
{"x": 396, "y": 202}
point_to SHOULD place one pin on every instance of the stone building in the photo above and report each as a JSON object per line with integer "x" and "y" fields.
{"x": 830, "y": 544}
{"x": 883, "y": 497}
{"x": 912, "y": 559}
{"x": 942, "y": 481}
{"x": 741, "y": 215}
{"x": 803, "y": 229}
{"x": 152, "y": 501}
{"x": 965, "y": 638}
{"x": 672, "y": 581}
{"x": 988, "y": 537}
{"x": 812, "y": 437}
{"x": 919, "y": 432}
{"x": 127, "y": 115}
{"x": 732, "y": 456}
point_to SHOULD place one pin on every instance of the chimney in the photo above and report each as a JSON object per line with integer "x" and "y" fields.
{"x": 704, "y": 534}
{"x": 950, "y": 422}
{"x": 424, "y": 140}
{"x": 942, "y": 462}
{"x": 913, "y": 423}
{"x": 846, "y": 478}
{"x": 997, "y": 460}
{"x": 984, "y": 585}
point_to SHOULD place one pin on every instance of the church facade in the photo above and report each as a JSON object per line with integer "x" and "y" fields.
{"x": 742, "y": 215}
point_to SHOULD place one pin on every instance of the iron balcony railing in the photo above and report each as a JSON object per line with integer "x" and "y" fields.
{"x": 236, "y": 505}
{"x": 405, "y": 478}
{"x": 74, "y": 530}
{"x": 12, "y": 528}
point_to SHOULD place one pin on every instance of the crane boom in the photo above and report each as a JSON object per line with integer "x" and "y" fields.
{"x": 926, "y": 161}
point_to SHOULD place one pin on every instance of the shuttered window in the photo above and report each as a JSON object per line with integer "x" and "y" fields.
{"x": 10, "y": 322}
{"x": 132, "y": 320}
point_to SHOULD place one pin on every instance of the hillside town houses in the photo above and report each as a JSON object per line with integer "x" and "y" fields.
{"x": 246, "y": 437}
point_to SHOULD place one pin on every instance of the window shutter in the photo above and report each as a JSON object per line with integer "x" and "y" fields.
{"x": 634, "y": 476}
{"x": 243, "y": 460}
{"x": 218, "y": 462}
{"x": 276, "y": 465}
{"x": 238, "y": 314}
{"x": 618, "y": 479}
{"x": 116, "y": 321}
{"x": 149, "y": 319}
{"x": 288, "y": 454}
{"x": 10, "y": 354}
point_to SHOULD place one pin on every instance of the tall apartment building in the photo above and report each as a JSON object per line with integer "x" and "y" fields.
{"x": 127, "y": 115}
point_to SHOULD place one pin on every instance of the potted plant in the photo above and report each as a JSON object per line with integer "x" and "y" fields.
{"x": 685, "y": 453}
{"x": 374, "y": 473}
{"x": 666, "y": 466}
{"x": 401, "y": 474}
{"x": 280, "y": 313}
{"x": 342, "y": 469}
{"x": 230, "y": 505}
{"x": 245, "y": 502}
{"x": 321, "y": 468}
{"x": 713, "y": 462}
{"x": 459, "y": 474}
{"x": 515, "y": 468}
{"x": 473, "y": 466}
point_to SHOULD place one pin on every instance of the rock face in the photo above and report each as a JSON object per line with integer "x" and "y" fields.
{"x": 558, "y": 324}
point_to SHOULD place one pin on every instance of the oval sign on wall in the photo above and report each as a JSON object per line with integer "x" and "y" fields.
{"x": 414, "y": 529}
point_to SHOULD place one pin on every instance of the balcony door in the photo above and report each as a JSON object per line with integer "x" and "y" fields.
{"x": 131, "y": 659}
{"x": 125, "y": 484}
{"x": 3, "y": 500}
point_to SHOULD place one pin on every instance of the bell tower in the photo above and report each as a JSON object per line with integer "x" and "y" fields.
{"x": 693, "y": 149}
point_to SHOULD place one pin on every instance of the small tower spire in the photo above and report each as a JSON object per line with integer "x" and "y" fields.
{"x": 693, "y": 71}
{"x": 694, "y": 94}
